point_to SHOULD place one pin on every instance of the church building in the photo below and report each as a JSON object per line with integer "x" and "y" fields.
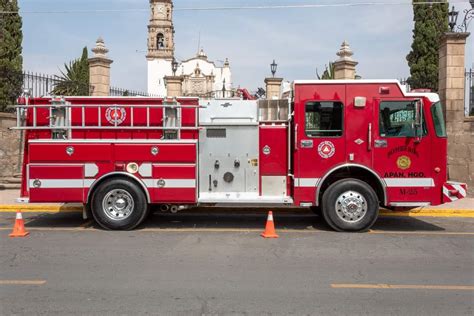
{"x": 201, "y": 77}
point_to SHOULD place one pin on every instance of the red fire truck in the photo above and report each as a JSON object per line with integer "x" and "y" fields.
{"x": 342, "y": 148}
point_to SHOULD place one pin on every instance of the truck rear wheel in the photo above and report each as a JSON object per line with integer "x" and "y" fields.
{"x": 119, "y": 204}
{"x": 350, "y": 205}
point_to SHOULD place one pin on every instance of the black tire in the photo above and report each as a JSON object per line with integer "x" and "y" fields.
{"x": 134, "y": 200}
{"x": 361, "y": 212}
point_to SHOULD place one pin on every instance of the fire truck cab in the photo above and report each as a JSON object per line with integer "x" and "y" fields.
{"x": 342, "y": 148}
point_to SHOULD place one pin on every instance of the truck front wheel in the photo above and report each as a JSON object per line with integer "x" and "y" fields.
{"x": 119, "y": 204}
{"x": 350, "y": 205}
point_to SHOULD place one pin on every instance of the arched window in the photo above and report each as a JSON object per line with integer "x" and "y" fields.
{"x": 160, "y": 41}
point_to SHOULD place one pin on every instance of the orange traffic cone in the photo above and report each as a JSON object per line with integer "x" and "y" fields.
{"x": 270, "y": 228}
{"x": 19, "y": 228}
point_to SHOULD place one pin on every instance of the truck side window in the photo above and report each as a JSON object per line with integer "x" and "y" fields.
{"x": 324, "y": 119}
{"x": 397, "y": 119}
{"x": 438, "y": 119}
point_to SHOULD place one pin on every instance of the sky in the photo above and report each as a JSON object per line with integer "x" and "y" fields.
{"x": 300, "y": 40}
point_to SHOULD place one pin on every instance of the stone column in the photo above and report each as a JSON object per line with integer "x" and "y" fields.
{"x": 174, "y": 86}
{"x": 99, "y": 68}
{"x": 345, "y": 66}
{"x": 460, "y": 129}
{"x": 273, "y": 88}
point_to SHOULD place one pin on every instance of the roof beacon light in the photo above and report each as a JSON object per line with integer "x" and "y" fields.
{"x": 360, "y": 102}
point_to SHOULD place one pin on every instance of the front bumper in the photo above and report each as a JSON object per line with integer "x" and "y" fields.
{"x": 453, "y": 191}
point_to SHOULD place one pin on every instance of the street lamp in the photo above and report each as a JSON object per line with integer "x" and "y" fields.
{"x": 174, "y": 66}
{"x": 453, "y": 19}
{"x": 274, "y": 67}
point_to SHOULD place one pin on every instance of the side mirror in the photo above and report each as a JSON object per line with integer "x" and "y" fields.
{"x": 418, "y": 120}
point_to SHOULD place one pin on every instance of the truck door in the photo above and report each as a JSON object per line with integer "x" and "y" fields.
{"x": 402, "y": 151}
{"x": 319, "y": 137}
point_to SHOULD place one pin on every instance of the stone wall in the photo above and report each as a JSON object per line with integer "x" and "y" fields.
{"x": 9, "y": 146}
{"x": 461, "y": 153}
{"x": 460, "y": 129}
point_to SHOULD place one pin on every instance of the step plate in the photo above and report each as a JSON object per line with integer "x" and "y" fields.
{"x": 243, "y": 198}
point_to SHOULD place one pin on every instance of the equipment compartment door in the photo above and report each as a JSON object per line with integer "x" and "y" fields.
{"x": 56, "y": 183}
{"x": 320, "y": 137}
{"x": 274, "y": 160}
{"x": 228, "y": 160}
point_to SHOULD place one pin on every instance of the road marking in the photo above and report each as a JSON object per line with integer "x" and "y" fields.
{"x": 404, "y": 287}
{"x": 57, "y": 209}
{"x": 22, "y": 282}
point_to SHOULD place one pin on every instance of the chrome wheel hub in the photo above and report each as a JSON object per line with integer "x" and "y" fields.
{"x": 118, "y": 205}
{"x": 351, "y": 207}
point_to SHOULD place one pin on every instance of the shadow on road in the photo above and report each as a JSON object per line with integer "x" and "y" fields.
{"x": 232, "y": 219}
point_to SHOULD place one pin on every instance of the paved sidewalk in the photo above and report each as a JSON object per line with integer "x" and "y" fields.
{"x": 8, "y": 197}
{"x": 464, "y": 204}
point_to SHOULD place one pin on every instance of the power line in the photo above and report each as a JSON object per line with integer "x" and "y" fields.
{"x": 234, "y": 8}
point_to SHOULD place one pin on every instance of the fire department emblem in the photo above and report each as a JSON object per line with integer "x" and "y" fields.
{"x": 326, "y": 150}
{"x": 115, "y": 115}
{"x": 404, "y": 162}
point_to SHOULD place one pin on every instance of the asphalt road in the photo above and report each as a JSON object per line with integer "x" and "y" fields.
{"x": 218, "y": 265}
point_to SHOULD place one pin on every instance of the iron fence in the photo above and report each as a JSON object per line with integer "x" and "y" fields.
{"x": 470, "y": 92}
{"x": 119, "y": 92}
{"x": 41, "y": 85}
{"x": 405, "y": 82}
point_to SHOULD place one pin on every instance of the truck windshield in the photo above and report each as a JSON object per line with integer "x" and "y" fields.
{"x": 438, "y": 119}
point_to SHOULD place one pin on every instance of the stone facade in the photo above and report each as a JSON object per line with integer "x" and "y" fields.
{"x": 161, "y": 30}
{"x": 9, "y": 146}
{"x": 202, "y": 77}
{"x": 460, "y": 129}
{"x": 345, "y": 66}
{"x": 273, "y": 88}
{"x": 99, "y": 68}
{"x": 174, "y": 86}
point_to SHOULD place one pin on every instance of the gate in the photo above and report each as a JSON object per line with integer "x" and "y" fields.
{"x": 470, "y": 92}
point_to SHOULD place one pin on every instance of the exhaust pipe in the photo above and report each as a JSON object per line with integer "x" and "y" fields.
{"x": 165, "y": 208}
{"x": 174, "y": 209}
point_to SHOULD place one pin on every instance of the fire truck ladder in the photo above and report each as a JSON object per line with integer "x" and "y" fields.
{"x": 60, "y": 118}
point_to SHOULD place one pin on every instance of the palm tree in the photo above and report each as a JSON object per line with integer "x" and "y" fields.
{"x": 74, "y": 81}
{"x": 328, "y": 74}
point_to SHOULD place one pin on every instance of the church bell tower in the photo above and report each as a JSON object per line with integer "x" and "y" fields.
{"x": 161, "y": 30}
{"x": 160, "y": 45}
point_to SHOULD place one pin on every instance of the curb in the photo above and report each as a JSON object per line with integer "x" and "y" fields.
{"x": 64, "y": 208}
{"x": 430, "y": 213}
{"x": 51, "y": 209}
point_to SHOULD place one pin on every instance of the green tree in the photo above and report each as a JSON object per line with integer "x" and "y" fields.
{"x": 328, "y": 74}
{"x": 11, "y": 60}
{"x": 75, "y": 77}
{"x": 431, "y": 22}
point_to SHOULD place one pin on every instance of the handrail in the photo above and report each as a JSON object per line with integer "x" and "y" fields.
{"x": 112, "y": 127}
{"x": 81, "y": 123}
{"x": 47, "y": 106}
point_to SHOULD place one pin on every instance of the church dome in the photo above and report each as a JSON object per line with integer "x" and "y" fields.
{"x": 202, "y": 54}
